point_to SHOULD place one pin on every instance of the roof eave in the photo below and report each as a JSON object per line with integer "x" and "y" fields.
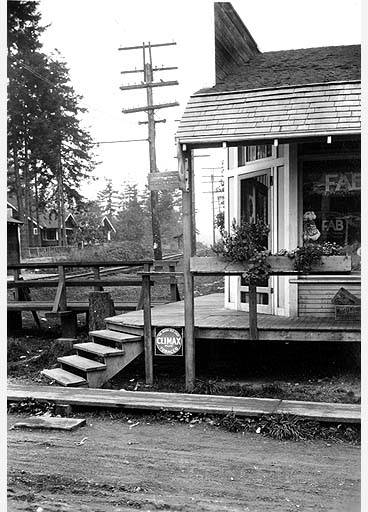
{"x": 256, "y": 138}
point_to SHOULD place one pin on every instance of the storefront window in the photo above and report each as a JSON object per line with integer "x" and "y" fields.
{"x": 251, "y": 153}
{"x": 331, "y": 202}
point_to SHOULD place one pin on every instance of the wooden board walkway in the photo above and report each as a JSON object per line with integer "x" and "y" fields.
{"x": 211, "y": 404}
{"x": 214, "y": 321}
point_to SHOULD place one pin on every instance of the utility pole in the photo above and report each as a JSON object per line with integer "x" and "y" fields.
{"x": 148, "y": 84}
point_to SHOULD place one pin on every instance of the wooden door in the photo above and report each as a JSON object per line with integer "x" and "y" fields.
{"x": 254, "y": 205}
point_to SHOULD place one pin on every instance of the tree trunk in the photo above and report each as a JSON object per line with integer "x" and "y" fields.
{"x": 101, "y": 306}
{"x": 26, "y": 193}
{"x": 18, "y": 192}
{"x": 37, "y": 210}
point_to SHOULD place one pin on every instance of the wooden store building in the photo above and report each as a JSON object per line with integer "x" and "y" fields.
{"x": 289, "y": 122}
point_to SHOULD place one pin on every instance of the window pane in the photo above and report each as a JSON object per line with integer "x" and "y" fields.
{"x": 331, "y": 194}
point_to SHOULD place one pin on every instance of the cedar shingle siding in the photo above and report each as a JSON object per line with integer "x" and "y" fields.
{"x": 328, "y": 108}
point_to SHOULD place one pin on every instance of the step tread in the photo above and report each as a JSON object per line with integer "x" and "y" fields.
{"x": 82, "y": 363}
{"x": 64, "y": 377}
{"x": 100, "y": 350}
{"x": 115, "y": 335}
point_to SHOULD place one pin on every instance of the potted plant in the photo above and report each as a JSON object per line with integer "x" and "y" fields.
{"x": 246, "y": 246}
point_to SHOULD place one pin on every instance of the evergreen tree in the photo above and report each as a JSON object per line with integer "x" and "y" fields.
{"x": 108, "y": 199}
{"x": 48, "y": 150}
{"x": 132, "y": 220}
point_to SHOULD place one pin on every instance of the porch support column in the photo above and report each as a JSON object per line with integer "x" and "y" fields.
{"x": 186, "y": 173}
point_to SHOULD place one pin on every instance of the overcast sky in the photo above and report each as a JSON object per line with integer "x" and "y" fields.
{"x": 88, "y": 35}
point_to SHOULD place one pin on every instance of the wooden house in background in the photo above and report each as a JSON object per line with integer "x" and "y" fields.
{"x": 43, "y": 232}
{"x": 49, "y": 226}
{"x": 13, "y": 238}
{"x": 289, "y": 123}
{"x": 108, "y": 229}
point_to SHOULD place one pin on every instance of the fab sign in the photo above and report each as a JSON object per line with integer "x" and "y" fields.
{"x": 333, "y": 224}
{"x": 340, "y": 182}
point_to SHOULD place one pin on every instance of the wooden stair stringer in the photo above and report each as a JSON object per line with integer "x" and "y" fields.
{"x": 114, "y": 365}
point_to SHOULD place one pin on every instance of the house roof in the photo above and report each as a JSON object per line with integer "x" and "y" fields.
{"x": 49, "y": 222}
{"x": 291, "y": 67}
{"x": 268, "y": 113}
{"x": 12, "y": 220}
{"x": 105, "y": 218}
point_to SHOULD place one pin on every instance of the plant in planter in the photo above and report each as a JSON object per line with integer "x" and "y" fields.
{"x": 310, "y": 255}
{"x": 247, "y": 242}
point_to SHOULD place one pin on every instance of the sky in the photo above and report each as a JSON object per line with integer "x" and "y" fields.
{"x": 88, "y": 35}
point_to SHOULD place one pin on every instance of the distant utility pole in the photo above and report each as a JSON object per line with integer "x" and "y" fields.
{"x": 148, "y": 84}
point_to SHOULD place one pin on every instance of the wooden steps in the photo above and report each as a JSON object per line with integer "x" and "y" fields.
{"x": 64, "y": 378}
{"x": 96, "y": 361}
{"x": 97, "y": 349}
{"x": 81, "y": 363}
{"x": 113, "y": 338}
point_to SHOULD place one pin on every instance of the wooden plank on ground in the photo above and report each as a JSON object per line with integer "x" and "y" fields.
{"x": 49, "y": 423}
{"x": 211, "y": 404}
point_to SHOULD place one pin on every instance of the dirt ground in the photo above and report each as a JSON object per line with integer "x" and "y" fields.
{"x": 113, "y": 465}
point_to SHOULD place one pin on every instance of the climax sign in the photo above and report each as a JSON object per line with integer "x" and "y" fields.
{"x": 168, "y": 343}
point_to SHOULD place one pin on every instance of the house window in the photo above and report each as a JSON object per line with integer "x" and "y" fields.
{"x": 331, "y": 202}
{"x": 251, "y": 153}
{"x": 50, "y": 234}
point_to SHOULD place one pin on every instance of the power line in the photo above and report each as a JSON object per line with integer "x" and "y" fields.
{"x": 119, "y": 141}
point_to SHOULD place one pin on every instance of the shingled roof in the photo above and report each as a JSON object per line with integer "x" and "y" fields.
{"x": 284, "y": 112}
{"x": 291, "y": 67}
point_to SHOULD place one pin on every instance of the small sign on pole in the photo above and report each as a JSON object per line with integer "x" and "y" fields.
{"x": 168, "y": 342}
{"x": 163, "y": 180}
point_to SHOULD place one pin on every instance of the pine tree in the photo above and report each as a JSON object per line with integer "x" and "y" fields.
{"x": 49, "y": 151}
{"x": 132, "y": 220}
{"x": 108, "y": 199}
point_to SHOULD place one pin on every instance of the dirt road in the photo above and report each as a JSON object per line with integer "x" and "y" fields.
{"x": 164, "y": 466}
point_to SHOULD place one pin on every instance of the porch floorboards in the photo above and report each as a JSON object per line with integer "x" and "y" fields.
{"x": 214, "y": 321}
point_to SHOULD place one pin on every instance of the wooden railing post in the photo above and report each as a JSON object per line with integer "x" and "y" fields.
{"x": 185, "y": 169}
{"x": 96, "y": 275}
{"x": 147, "y": 328}
{"x": 253, "y": 330}
{"x": 60, "y": 298}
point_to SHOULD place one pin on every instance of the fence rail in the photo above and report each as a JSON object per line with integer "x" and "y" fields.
{"x": 22, "y": 300}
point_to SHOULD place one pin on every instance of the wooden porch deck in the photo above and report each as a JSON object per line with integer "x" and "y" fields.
{"x": 213, "y": 321}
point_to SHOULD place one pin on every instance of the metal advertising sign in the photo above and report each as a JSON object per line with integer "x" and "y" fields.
{"x": 168, "y": 180}
{"x": 168, "y": 342}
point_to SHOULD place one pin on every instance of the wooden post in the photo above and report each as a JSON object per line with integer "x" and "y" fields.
{"x": 96, "y": 275}
{"x": 60, "y": 299}
{"x": 253, "y": 331}
{"x": 147, "y": 331}
{"x": 101, "y": 306}
{"x": 184, "y": 159}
